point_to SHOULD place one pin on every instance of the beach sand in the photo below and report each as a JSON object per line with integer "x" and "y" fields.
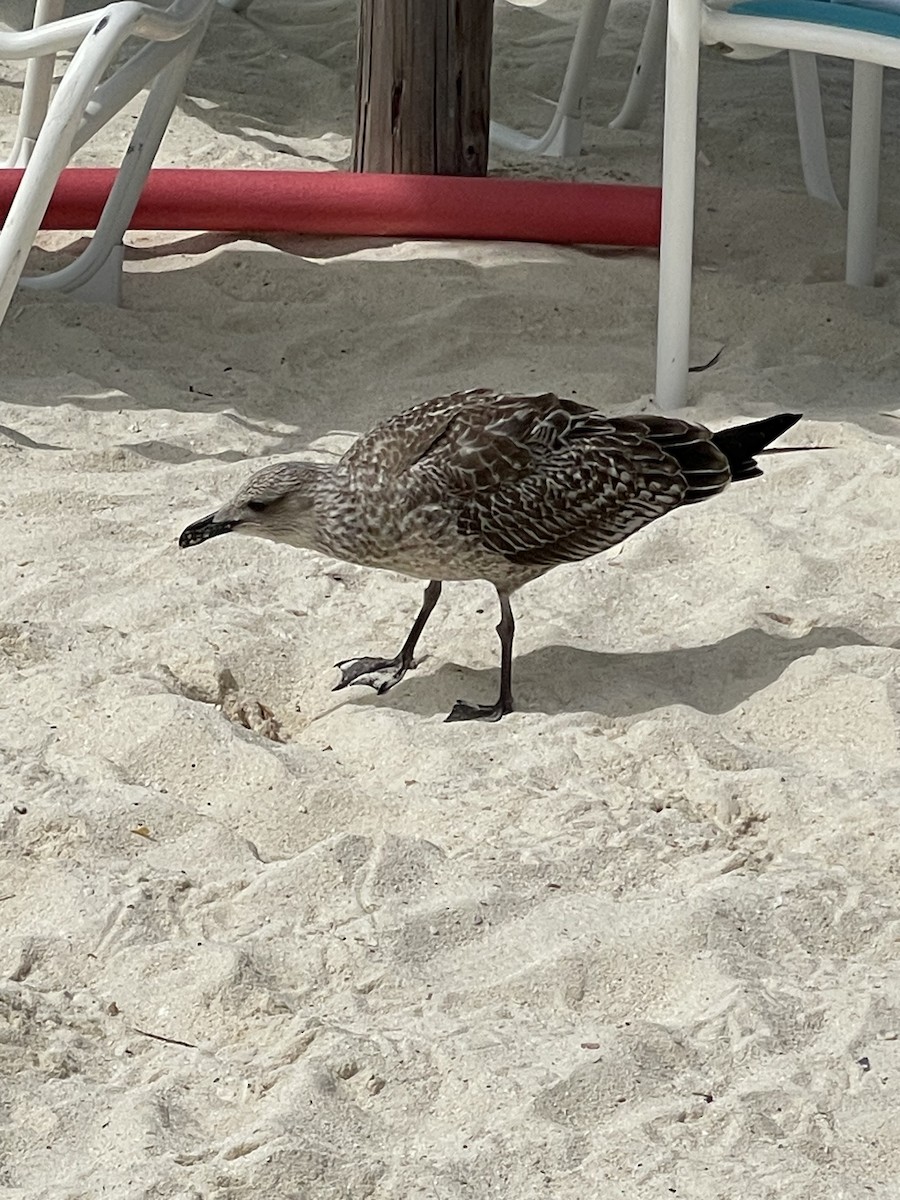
{"x": 638, "y": 940}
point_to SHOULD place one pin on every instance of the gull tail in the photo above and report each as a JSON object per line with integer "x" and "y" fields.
{"x": 742, "y": 443}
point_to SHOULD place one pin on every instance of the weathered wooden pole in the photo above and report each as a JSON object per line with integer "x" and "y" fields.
{"x": 423, "y": 87}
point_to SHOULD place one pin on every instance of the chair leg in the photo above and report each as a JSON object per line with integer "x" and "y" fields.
{"x": 96, "y": 274}
{"x": 60, "y": 133}
{"x": 678, "y": 189}
{"x": 51, "y": 153}
{"x": 865, "y": 153}
{"x": 811, "y": 127}
{"x": 563, "y": 137}
{"x": 648, "y": 69}
{"x": 36, "y": 90}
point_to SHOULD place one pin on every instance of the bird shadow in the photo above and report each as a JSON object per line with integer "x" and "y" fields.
{"x": 554, "y": 679}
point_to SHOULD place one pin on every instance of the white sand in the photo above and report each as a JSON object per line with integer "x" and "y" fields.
{"x": 641, "y": 939}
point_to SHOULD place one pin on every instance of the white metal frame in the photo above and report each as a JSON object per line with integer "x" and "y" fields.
{"x": 692, "y": 23}
{"x": 563, "y": 136}
{"x": 50, "y": 131}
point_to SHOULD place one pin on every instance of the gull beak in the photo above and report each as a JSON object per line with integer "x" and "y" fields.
{"x": 203, "y": 530}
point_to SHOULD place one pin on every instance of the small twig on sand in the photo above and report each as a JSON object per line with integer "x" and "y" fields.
{"x": 159, "y": 1037}
{"x": 712, "y": 362}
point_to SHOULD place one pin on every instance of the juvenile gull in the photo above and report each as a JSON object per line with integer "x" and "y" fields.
{"x": 481, "y": 485}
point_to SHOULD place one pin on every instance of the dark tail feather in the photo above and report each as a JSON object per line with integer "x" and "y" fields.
{"x": 742, "y": 443}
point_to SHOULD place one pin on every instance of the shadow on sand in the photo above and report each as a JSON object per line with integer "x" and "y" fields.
{"x": 556, "y": 679}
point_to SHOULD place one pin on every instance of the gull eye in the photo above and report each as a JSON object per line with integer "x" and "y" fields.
{"x": 257, "y": 505}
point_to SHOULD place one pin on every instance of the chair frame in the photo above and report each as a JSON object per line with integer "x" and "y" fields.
{"x": 50, "y": 131}
{"x": 693, "y": 23}
{"x": 564, "y": 135}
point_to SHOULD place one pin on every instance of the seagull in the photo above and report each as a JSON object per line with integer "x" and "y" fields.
{"x": 484, "y": 485}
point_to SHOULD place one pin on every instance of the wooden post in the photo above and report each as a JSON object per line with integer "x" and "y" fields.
{"x": 423, "y": 87}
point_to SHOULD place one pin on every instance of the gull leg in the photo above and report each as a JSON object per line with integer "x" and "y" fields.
{"x": 462, "y": 711}
{"x": 382, "y": 673}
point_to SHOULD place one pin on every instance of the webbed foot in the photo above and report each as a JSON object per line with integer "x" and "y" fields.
{"x": 461, "y": 711}
{"x": 378, "y": 673}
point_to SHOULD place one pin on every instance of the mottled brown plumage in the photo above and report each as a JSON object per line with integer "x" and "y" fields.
{"x": 477, "y": 485}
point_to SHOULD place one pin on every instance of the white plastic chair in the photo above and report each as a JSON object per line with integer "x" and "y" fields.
{"x": 50, "y": 131}
{"x": 751, "y": 28}
{"x": 39, "y": 81}
{"x": 563, "y": 137}
{"x": 564, "y": 134}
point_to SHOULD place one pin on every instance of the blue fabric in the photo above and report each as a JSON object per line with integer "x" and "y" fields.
{"x": 823, "y": 12}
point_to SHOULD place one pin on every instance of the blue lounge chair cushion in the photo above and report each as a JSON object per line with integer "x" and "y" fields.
{"x": 869, "y": 16}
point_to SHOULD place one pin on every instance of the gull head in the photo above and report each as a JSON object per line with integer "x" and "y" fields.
{"x": 277, "y": 503}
